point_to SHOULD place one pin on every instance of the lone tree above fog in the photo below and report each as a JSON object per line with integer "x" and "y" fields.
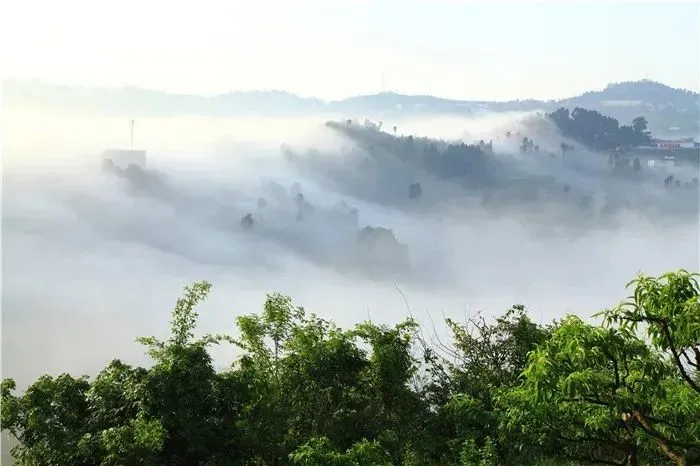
{"x": 415, "y": 191}
{"x": 637, "y": 165}
{"x": 599, "y": 132}
{"x": 639, "y": 124}
{"x": 564, "y": 149}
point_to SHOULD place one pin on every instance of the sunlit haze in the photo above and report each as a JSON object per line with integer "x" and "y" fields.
{"x": 457, "y": 49}
{"x": 426, "y": 159}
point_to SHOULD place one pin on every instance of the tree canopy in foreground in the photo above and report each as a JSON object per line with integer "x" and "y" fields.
{"x": 305, "y": 392}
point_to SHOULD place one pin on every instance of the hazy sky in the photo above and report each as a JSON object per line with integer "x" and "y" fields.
{"x": 336, "y": 48}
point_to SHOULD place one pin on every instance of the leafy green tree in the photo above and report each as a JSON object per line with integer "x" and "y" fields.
{"x": 668, "y": 309}
{"x": 399, "y": 411}
{"x": 305, "y": 370}
{"x": 316, "y": 382}
{"x": 49, "y": 420}
{"x": 118, "y": 429}
{"x": 482, "y": 359}
{"x": 601, "y": 395}
{"x": 165, "y": 415}
{"x": 179, "y": 390}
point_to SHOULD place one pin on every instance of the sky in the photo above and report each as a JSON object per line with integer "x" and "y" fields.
{"x": 334, "y": 49}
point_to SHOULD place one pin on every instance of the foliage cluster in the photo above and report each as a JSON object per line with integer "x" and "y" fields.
{"x": 305, "y": 392}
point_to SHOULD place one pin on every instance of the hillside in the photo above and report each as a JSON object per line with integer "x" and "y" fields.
{"x": 652, "y": 92}
{"x": 663, "y": 106}
{"x": 144, "y": 102}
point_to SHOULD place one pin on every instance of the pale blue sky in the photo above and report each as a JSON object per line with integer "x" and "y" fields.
{"x": 336, "y": 48}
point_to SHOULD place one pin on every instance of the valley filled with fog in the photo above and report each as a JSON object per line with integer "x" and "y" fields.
{"x": 92, "y": 259}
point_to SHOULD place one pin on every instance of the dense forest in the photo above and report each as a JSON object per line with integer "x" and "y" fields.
{"x": 442, "y": 159}
{"x": 600, "y": 132}
{"x": 511, "y": 391}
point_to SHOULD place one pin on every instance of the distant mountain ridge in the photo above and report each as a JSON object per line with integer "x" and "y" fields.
{"x": 666, "y": 108}
{"x": 650, "y": 91}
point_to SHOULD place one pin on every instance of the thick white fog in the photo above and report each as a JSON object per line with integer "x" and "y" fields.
{"x": 89, "y": 264}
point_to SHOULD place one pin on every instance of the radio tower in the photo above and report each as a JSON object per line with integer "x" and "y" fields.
{"x": 131, "y": 135}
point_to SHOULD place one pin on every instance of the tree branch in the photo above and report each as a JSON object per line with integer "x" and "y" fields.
{"x": 663, "y": 442}
{"x": 679, "y": 363}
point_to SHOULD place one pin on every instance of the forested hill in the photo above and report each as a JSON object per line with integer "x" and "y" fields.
{"x": 663, "y": 106}
{"x": 649, "y": 92}
{"x": 668, "y": 110}
{"x": 600, "y": 132}
{"x": 305, "y": 392}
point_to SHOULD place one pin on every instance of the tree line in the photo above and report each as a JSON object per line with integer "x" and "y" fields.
{"x": 306, "y": 392}
{"x": 469, "y": 163}
{"x": 600, "y": 132}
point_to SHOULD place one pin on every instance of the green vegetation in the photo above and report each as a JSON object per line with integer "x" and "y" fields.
{"x": 305, "y": 392}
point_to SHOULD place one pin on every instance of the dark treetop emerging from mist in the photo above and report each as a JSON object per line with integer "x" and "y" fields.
{"x": 598, "y": 131}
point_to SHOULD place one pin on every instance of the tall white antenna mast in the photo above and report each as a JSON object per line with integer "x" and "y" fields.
{"x": 131, "y": 130}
